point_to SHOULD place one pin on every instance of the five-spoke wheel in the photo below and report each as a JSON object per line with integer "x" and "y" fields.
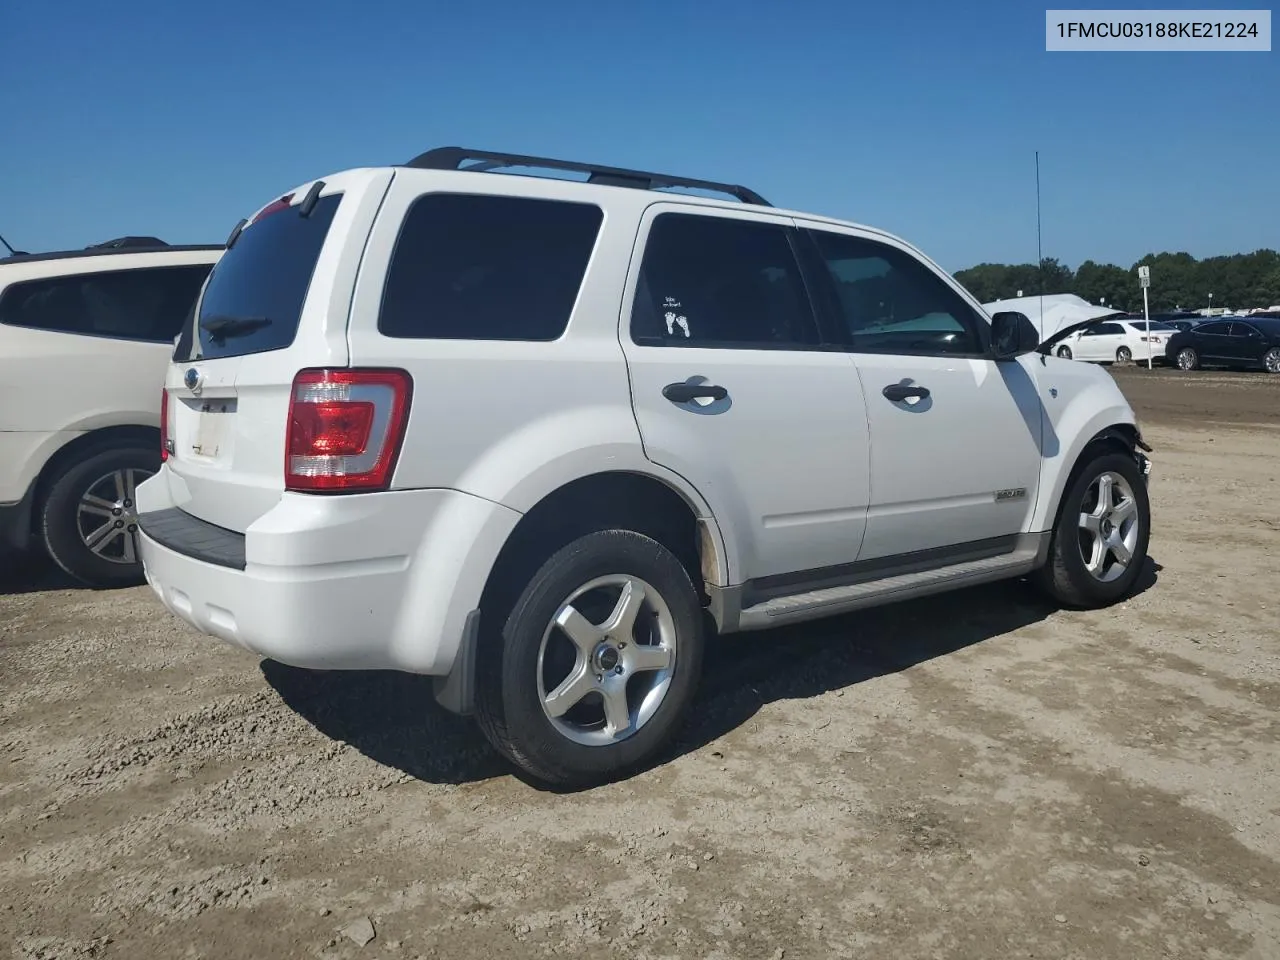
{"x": 602, "y": 678}
{"x": 594, "y": 666}
{"x": 1109, "y": 527}
{"x": 1099, "y": 541}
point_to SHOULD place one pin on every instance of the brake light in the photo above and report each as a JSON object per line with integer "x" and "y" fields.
{"x": 275, "y": 206}
{"x": 164, "y": 425}
{"x": 345, "y": 429}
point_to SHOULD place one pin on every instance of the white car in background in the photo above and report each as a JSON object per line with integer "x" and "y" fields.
{"x": 1117, "y": 341}
{"x": 85, "y": 339}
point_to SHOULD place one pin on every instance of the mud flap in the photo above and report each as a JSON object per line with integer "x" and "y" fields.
{"x": 456, "y": 692}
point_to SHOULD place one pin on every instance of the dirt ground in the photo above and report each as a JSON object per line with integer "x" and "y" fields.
{"x": 973, "y": 776}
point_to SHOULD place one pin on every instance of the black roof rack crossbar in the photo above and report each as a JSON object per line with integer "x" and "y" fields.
{"x": 452, "y": 158}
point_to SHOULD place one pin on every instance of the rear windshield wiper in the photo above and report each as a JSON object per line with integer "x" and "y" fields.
{"x": 220, "y": 327}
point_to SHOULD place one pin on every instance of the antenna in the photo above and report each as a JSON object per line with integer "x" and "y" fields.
{"x": 1039, "y": 249}
{"x": 12, "y": 252}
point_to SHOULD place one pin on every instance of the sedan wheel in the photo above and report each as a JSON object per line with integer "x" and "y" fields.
{"x": 1271, "y": 360}
{"x": 1187, "y": 359}
{"x": 1124, "y": 355}
{"x": 1064, "y": 353}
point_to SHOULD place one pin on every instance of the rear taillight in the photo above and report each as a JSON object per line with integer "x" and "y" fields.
{"x": 164, "y": 425}
{"x": 345, "y": 429}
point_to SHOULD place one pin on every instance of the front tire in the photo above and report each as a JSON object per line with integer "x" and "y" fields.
{"x": 90, "y": 516}
{"x": 597, "y": 664}
{"x": 1100, "y": 539}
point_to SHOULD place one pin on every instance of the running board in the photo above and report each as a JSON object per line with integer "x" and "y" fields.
{"x": 814, "y": 604}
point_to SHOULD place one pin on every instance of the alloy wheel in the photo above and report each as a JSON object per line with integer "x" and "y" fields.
{"x": 606, "y": 660}
{"x": 107, "y": 515}
{"x": 1109, "y": 527}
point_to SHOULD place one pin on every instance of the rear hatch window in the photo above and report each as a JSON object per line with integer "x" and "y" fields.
{"x": 255, "y": 294}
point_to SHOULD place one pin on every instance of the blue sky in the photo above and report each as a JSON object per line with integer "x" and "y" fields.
{"x": 175, "y": 119}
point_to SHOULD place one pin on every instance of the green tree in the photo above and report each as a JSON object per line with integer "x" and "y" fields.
{"x": 1178, "y": 280}
{"x": 1098, "y": 282}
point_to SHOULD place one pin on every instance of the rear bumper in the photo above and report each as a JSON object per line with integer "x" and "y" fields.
{"x": 381, "y": 581}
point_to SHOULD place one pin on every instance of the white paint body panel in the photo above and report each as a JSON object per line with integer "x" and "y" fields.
{"x": 782, "y": 460}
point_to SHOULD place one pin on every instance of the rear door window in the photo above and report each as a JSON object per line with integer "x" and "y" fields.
{"x": 254, "y": 298}
{"x": 147, "y": 303}
{"x": 709, "y": 281}
{"x": 470, "y": 267}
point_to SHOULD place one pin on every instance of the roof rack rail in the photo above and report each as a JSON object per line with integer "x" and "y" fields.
{"x": 452, "y": 158}
{"x": 120, "y": 243}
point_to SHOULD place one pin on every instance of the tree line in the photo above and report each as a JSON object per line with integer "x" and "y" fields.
{"x": 1178, "y": 281}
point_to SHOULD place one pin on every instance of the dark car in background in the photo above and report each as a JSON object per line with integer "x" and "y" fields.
{"x": 1252, "y": 343}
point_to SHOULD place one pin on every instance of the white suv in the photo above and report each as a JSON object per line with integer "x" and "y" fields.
{"x": 85, "y": 338}
{"x": 537, "y": 437}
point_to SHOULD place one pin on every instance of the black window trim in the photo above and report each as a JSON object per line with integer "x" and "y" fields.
{"x": 822, "y": 342}
{"x": 843, "y": 338}
{"x": 498, "y": 195}
{"x": 81, "y": 274}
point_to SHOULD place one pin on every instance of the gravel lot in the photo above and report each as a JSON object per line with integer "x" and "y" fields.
{"x": 972, "y": 776}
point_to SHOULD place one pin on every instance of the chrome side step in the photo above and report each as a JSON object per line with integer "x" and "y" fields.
{"x": 814, "y": 604}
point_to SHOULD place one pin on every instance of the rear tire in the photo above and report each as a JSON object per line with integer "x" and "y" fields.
{"x": 1064, "y": 353}
{"x": 89, "y": 518}
{"x": 1124, "y": 355}
{"x": 1087, "y": 566}
{"x": 1271, "y": 360}
{"x": 570, "y": 693}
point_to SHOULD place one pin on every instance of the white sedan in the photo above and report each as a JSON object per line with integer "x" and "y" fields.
{"x": 1117, "y": 341}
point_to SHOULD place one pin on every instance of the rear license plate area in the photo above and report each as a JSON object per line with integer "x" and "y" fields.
{"x": 207, "y": 434}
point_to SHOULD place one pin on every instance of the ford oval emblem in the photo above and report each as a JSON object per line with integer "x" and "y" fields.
{"x": 192, "y": 380}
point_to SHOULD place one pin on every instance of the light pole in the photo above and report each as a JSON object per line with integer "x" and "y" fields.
{"x": 1211, "y": 304}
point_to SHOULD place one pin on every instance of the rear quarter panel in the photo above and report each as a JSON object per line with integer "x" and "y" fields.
{"x": 513, "y": 421}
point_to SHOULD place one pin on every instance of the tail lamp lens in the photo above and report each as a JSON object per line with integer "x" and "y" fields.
{"x": 345, "y": 429}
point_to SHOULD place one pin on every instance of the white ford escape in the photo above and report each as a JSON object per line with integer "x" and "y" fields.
{"x": 537, "y": 437}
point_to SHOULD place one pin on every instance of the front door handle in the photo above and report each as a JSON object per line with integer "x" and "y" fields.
{"x": 687, "y": 392}
{"x": 898, "y": 392}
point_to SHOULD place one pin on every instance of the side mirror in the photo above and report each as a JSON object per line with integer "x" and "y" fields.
{"x": 1012, "y": 335}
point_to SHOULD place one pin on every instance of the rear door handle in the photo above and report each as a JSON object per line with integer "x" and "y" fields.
{"x": 687, "y": 392}
{"x": 898, "y": 392}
